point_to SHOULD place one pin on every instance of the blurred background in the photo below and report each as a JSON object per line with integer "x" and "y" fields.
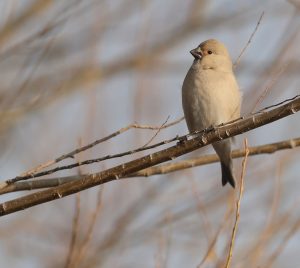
{"x": 74, "y": 71}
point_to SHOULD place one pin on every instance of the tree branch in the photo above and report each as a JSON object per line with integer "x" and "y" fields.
{"x": 32, "y": 173}
{"x": 157, "y": 170}
{"x": 123, "y": 170}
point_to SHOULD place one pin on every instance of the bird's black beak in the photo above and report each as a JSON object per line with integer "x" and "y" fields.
{"x": 196, "y": 54}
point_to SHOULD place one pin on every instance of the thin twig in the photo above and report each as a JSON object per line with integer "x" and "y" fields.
{"x": 249, "y": 41}
{"x": 283, "y": 243}
{"x": 270, "y": 86}
{"x": 83, "y": 247}
{"x": 215, "y": 238}
{"x": 238, "y": 204}
{"x": 44, "y": 31}
{"x": 277, "y": 104}
{"x": 75, "y": 225}
{"x": 156, "y": 133}
{"x": 268, "y": 230}
{"x": 158, "y": 170}
{"x": 75, "y": 228}
{"x": 33, "y": 172}
{"x": 90, "y": 161}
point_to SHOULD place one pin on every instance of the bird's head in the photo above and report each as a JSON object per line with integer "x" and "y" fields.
{"x": 209, "y": 48}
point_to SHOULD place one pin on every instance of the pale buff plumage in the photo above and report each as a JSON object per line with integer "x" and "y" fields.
{"x": 211, "y": 96}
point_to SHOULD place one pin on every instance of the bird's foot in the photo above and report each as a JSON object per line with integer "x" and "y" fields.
{"x": 209, "y": 129}
{"x": 182, "y": 140}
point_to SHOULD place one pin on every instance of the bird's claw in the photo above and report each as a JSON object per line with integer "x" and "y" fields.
{"x": 209, "y": 129}
{"x": 182, "y": 140}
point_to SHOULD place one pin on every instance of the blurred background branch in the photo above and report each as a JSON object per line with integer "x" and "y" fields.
{"x": 82, "y": 69}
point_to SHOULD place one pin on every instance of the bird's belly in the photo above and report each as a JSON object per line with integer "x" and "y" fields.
{"x": 204, "y": 112}
{"x": 210, "y": 102}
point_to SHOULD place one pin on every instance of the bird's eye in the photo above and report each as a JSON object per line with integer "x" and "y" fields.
{"x": 209, "y": 52}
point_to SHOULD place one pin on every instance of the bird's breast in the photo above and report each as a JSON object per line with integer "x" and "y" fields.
{"x": 209, "y": 97}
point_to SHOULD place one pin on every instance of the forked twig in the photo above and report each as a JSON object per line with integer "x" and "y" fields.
{"x": 156, "y": 133}
{"x": 32, "y": 173}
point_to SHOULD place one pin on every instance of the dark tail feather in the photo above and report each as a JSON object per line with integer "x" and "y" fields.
{"x": 227, "y": 175}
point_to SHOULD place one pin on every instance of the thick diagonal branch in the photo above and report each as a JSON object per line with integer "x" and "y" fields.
{"x": 157, "y": 170}
{"x": 170, "y": 153}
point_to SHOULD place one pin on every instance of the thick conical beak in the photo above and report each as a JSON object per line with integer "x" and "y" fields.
{"x": 196, "y": 54}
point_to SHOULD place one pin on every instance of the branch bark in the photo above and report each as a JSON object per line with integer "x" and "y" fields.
{"x": 123, "y": 170}
{"x": 157, "y": 170}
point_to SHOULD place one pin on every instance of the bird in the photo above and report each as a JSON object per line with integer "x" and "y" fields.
{"x": 211, "y": 96}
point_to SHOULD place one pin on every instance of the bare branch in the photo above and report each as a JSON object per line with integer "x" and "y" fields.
{"x": 84, "y": 245}
{"x": 75, "y": 228}
{"x": 249, "y": 41}
{"x": 123, "y": 170}
{"x": 270, "y": 85}
{"x": 238, "y": 205}
{"x": 213, "y": 158}
{"x": 275, "y": 105}
{"x": 157, "y": 170}
{"x": 212, "y": 245}
{"x": 90, "y": 161}
{"x": 156, "y": 133}
{"x": 33, "y": 172}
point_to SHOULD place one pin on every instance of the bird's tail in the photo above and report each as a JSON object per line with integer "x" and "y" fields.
{"x": 227, "y": 175}
{"x": 223, "y": 149}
